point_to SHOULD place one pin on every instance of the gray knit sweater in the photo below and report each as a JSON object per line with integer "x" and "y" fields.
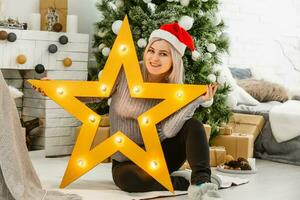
{"x": 124, "y": 111}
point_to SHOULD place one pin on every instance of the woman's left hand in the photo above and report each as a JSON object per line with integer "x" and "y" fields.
{"x": 211, "y": 90}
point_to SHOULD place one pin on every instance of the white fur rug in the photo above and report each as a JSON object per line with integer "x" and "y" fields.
{"x": 96, "y": 184}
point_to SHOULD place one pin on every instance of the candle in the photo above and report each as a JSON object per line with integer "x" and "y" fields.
{"x": 72, "y": 23}
{"x": 35, "y": 21}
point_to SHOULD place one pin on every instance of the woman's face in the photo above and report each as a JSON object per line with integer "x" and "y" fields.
{"x": 158, "y": 58}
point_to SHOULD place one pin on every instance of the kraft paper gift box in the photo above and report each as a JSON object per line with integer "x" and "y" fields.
{"x": 217, "y": 155}
{"x": 225, "y": 130}
{"x": 247, "y": 124}
{"x": 237, "y": 145}
{"x": 207, "y": 130}
{"x": 104, "y": 120}
{"x": 101, "y": 135}
{"x": 53, "y": 11}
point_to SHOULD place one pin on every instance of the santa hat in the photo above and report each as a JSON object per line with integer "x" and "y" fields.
{"x": 178, "y": 37}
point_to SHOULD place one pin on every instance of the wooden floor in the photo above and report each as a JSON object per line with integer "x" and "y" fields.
{"x": 273, "y": 181}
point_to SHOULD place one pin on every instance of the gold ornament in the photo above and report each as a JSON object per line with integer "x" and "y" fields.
{"x": 21, "y": 59}
{"x": 67, "y": 62}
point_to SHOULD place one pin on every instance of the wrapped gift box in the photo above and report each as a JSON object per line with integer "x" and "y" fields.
{"x": 53, "y": 11}
{"x": 225, "y": 130}
{"x": 247, "y": 124}
{"x": 207, "y": 130}
{"x": 217, "y": 155}
{"x": 101, "y": 135}
{"x": 236, "y": 144}
{"x": 104, "y": 121}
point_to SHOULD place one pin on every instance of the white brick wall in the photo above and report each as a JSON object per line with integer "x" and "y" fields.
{"x": 265, "y": 36}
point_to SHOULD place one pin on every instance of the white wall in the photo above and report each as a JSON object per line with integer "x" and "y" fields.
{"x": 265, "y": 36}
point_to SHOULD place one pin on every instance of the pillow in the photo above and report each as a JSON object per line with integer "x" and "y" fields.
{"x": 264, "y": 91}
{"x": 240, "y": 73}
{"x": 244, "y": 97}
{"x": 241, "y": 96}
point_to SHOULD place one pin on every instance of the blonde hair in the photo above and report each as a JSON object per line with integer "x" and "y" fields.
{"x": 177, "y": 73}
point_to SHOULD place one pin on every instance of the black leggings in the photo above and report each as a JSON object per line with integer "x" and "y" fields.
{"x": 189, "y": 144}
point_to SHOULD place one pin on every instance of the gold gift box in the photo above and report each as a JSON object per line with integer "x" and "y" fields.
{"x": 236, "y": 144}
{"x": 247, "y": 124}
{"x": 217, "y": 155}
{"x": 102, "y": 134}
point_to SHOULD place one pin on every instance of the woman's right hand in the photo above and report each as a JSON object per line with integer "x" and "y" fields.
{"x": 39, "y": 89}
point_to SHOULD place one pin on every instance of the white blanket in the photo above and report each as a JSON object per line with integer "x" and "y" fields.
{"x": 285, "y": 120}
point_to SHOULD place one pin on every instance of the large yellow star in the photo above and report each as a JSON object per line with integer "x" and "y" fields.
{"x": 151, "y": 159}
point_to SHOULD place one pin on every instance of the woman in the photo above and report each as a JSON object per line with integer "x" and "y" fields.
{"x": 182, "y": 137}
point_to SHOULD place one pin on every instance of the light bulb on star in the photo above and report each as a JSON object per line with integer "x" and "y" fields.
{"x": 123, "y": 48}
{"x": 92, "y": 118}
{"x": 154, "y": 165}
{"x": 80, "y": 163}
{"x": 179, "y": 94}
{"x": 60, "y": 91}
{"x": 137, "y": 89}
{"x": 146, "y": 120}
{"x": 119, "y": 140}
{"x": 103, "y": 88}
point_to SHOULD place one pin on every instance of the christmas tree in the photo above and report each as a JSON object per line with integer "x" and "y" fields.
{"x": 199, "y": 17}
